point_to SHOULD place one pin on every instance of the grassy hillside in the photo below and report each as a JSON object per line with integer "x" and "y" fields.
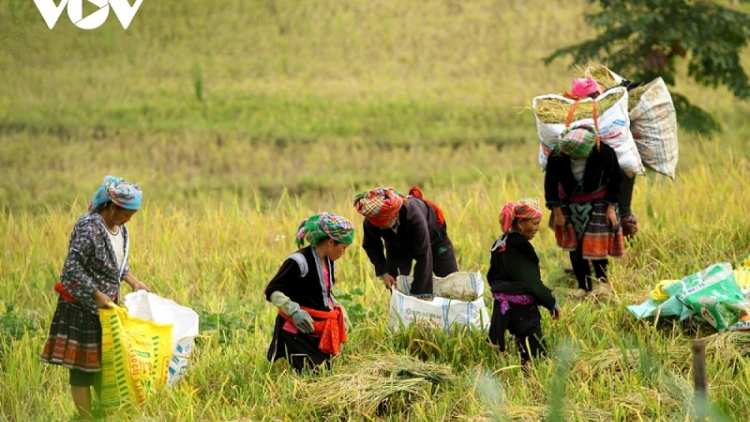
{"x": 240, "y": 118}
{"x": 200, "y": 96}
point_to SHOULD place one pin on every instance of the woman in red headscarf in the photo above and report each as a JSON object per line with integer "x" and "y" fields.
{"x": 516, "y": 283}
{"x": 413, "y": 229}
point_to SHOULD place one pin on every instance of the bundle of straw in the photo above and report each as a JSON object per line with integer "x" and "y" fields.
{"x": 460, "y": 295}
{"x": 599, "y": 73}
{"x": 553, "y": 110}
{"x": 376, "y": 384}
{"x": 604, "y": 77}
{"x": 634, "y": 95}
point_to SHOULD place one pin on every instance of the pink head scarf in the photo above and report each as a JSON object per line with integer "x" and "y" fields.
{"x": 523, "y": 209}
{"x": 583, "y": 87}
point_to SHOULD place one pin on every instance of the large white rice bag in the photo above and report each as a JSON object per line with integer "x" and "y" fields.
{"x": 151, "y": 307}
{"x": 614, "y": 130}
{"x": 653, "y": 122}
{"x": 441, "y": 312}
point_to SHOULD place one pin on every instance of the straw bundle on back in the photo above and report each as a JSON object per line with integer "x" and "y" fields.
{"x": 552, "y": 110}
{"x": 634, "y": 95}
{"x": 600, "y": 74}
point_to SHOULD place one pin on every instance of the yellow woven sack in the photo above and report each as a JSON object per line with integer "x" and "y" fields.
{"x": 742, "y": 276}
{"x": 135, "y": 357}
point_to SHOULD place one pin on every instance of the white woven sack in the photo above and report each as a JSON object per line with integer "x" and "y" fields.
{"x": 614, "y": 130}
{"x": 151, "y": 307}
{"x": 653, "y": 122}
{"x": 440, "y": 312}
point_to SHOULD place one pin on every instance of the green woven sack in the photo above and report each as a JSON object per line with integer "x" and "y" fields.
{"x": 713, "y": 293}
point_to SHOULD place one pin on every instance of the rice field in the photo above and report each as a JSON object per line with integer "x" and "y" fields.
{"x": 240, "y": 118}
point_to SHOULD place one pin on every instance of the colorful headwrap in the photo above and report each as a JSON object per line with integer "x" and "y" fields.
{"x": 379, "y": 205}
{"x": 523, "y": 209}
{"x": 583, "y": 87}
{"x": 577, "y": 141}
{"x": 325, "y": 225}
{"x": 122, "y": 193}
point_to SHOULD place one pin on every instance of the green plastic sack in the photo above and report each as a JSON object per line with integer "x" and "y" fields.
{"x": 663, "y": 308}
{"x": 714, "y": 294}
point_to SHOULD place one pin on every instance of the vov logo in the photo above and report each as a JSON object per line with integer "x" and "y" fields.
{"x": 123, "y": 10}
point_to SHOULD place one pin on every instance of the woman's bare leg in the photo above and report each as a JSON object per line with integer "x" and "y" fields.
{"x": 82, "y": 400}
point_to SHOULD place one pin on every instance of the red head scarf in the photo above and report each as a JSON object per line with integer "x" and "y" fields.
{"x": 524, "y": 209}
{"x": 379, "y": 205}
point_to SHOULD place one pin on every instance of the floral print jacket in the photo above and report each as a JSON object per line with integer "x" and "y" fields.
{"x": 91, "y": 264}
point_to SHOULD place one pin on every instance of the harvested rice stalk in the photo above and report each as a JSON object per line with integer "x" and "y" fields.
{"x": 376, "y": 384}
{"x": 599, "y": 73}
{"x": 460, "y": 295}
{"x": 552, "y": 110}
{"x": 634, "y": 95}
{"x": 393, "y": 366}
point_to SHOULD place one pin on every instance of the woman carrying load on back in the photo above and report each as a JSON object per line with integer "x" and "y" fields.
{"x": 412, "y": 230}
{"x": 582, "y": 184}
{"x": 96, "y": 265}
{"x": 516, "y": 283}
{"x": 310, "y": 325}
{"x": 588, "y": 87}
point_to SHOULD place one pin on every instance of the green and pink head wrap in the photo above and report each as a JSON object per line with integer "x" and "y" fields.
{"x": 379, "y": 205}
{"x": 324, "y": 225}
{"x": 523, "y": 209}
{"x": 577, "y": 141}
{"x": 122, "y": 193}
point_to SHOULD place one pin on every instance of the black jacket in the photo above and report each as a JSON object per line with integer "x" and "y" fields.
{"x": 300, "y": 278}
{"x": 416, "y": 236}
{"x": 515, "y": 271}
{"x": 602, "y": 170}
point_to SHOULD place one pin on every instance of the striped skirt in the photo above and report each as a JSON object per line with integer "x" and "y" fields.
{"x": 75, "y": 338}
{"x": 588, "y": 230}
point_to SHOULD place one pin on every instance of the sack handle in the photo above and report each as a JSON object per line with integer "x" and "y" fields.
{"x": 572, "y": 110}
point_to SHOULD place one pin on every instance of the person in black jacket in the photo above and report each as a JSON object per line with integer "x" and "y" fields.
{"x": 413, "y": 230}
{"x": 310, "y": 325}
{"x": 515, "y": 281}
{"x": 582, "y": 185}
{"x": 588, "y": 87}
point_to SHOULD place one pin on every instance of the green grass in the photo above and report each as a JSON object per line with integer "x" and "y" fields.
{"x": 240, "y": 118}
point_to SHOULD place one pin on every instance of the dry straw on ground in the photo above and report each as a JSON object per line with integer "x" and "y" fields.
{"x": 376, "y": 384}
{"x": 723, "y": 346}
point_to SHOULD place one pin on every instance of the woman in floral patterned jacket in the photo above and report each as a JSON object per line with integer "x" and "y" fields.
{"x": 95, "y": 267}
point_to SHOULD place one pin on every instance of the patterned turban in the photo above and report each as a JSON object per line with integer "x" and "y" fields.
{"x": 524, "y": 209}
{"x": 324, "y": 225}
{"x": 379, "y": 205}
{"x": 122, "y": 193}
{"x": 577, "y": 141}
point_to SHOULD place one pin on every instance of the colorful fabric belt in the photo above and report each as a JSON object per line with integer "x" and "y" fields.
{"x": 506, "y": 300}
{"x": 583, "y": 197}
{"x": 330, "y": 327}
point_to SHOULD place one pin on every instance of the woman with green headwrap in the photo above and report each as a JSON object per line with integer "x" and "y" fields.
{"x": 582, "y": 184}
{"x": 310, "y": 325}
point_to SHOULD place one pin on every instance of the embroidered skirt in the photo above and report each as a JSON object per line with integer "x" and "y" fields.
{"x": 75, "y": 338}
{"x": 588, "y": 230}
